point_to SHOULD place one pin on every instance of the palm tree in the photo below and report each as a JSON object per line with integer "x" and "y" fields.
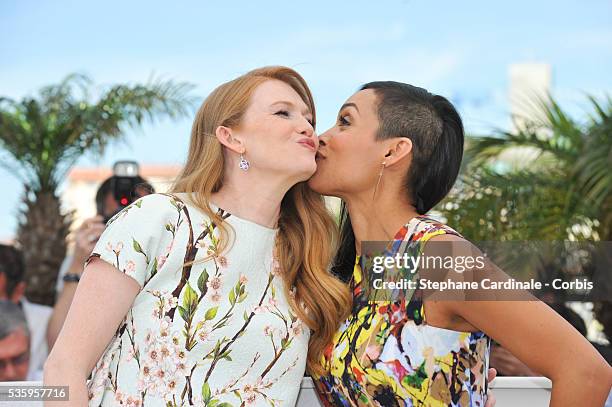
{"x": 550, "y": 180}
{"x": 43, "y": 137}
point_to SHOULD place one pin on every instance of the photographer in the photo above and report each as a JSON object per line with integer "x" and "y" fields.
{"x": 114, "y": 194}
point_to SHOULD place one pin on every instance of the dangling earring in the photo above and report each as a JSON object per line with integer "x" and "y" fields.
{"x": 244, "y": 164}
{"x": 380, "y": 174}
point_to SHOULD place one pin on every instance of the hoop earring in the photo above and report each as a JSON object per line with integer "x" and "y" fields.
{"x": 244, "y": 164}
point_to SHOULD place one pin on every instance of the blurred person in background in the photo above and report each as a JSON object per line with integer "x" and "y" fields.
{"x": 85, "y": 239}
{"x": 15, "y": 345}
{"x": 12, "y": 289}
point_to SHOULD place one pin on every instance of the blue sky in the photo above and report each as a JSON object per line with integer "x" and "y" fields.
{"x": 458, "y": 49}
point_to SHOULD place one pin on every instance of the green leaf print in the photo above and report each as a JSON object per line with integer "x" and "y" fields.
{"x": 154, "y": 268}
{"x": 183, "y": 313}
{"x": 190, "y": 300}
{"x": 211, "y": 313}
{"x": 137, "y": 247}
{"x": 205, "y": 392}
{"x": 232, "y": 297}
{"x": 202, "y": 280}
{"x": 138, "y": 203}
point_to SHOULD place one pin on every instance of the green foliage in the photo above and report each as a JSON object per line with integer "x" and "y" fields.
{"x": 550, "y": 180}
{"x": 45, "y": 136}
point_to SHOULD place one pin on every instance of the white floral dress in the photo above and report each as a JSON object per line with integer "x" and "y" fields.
{"x": 218, "y": 333}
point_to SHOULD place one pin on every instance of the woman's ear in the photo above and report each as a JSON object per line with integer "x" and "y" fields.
{"x": 397, "y": 150}
{"x": 226, "y": 138}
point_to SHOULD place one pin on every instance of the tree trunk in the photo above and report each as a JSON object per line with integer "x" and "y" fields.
{"x": 41, "y": 234}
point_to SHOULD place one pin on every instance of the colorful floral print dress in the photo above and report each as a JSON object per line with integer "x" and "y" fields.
{"x": 218, "y": 332}
{"x": 385, "y": 353}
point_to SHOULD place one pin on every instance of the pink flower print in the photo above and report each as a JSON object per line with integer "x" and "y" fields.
{"x": 272, "y": 302}
{"x": 146, "y": 371}
{"x": 172, "y": 301}
{"x": 172, "y": 385}
{"x": 131, "y": 355}
{"x": 109, "y": 247}
{"x": 119, "y": 396}
{"x": 222, "y": 261}
{"x": 215, "y": 297}
{"x": 130, "y": 267}
{"x": 164, "y": 323}
{"x": 181, "y": 355}
{"x": 135, "y": 402}
{"x": 182, "y": 369}
{"x": 141, "y": 385}
{"x": 268, "y": 330}
{"x": 243, "y": 279}
{"x": 164, "y": 351}
{"x": 214, "y": 283}
{"x": 204, "y": 333}
{"x": 153, "y": 355}
{"x": 259, "y": 309}
{"x": 119, "y": 247}
{"x": 296, "y": 328}
{"x": 250, "y": 394}
{"x": 160, "y": 374}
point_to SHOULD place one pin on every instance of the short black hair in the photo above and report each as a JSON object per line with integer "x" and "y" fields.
{"x": 435, "y": 128}
{"x": 12, "y": 266}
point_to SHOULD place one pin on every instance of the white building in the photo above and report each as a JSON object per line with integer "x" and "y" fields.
{"x": 528, "y": 83}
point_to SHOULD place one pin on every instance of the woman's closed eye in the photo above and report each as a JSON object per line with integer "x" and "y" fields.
{"x": 283, "y": 113}
{"x": 342, "y": 120}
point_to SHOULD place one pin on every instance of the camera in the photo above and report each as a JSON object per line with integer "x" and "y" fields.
{"x": 124, "y": 182}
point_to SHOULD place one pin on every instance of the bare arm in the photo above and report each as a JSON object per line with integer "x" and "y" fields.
{"x": 102, "y": 299}
{"x": 545, "y": 342}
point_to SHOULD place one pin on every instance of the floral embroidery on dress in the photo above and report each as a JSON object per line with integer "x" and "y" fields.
{"x": 207, "y": 328}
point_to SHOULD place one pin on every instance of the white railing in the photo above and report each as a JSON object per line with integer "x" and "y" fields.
{"x": 509, "y": 392}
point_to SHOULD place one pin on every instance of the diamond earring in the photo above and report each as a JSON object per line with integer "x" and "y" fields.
{"x": 244, "y": 164}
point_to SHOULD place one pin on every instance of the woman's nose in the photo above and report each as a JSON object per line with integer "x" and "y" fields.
{"x": 307, "y": 129}
{"x": 323, "y": 138}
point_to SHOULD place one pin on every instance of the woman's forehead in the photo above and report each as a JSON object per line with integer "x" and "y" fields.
{"x": 364, "y": 101}
{"x": 275, "y": 91}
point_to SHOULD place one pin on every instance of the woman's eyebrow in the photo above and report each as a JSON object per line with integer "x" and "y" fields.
{"x": 349, "y": 104}
{"x": 291, "y": 104}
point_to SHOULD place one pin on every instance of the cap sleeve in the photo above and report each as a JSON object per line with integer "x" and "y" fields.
{"x": 134, "y": 238}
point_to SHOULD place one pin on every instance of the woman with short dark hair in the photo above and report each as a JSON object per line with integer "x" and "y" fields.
{"x": 393, "y": 154}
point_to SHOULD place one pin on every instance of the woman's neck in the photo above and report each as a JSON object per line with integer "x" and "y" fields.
{"x": 378, "y": 219}
{"x": 252, "y": 197}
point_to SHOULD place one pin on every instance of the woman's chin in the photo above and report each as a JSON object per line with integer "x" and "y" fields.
{"x": 318, "y": 183}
